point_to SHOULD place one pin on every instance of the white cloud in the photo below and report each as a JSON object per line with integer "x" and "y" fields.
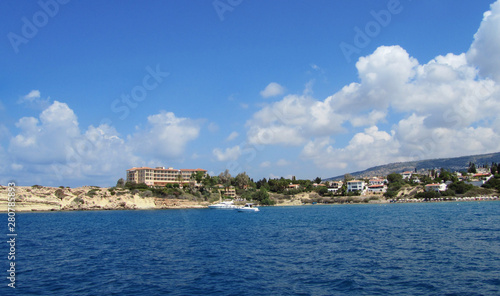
{"x": 265, "y": 164}
{"x": 292, "y": 121}
{"x": 484, "y": 50}
{"x": 232, "y": 136}
{"x": 272, "y": 89}
{"x": 46, "y": 139}
{"x": 282, "y": 162}
{"x": 32, "y": 95}
{"x": 33, "y": 99}
{"x": 369, "y": 148}
{"x": 213, "y": 127}
{"x": 447, "y": 107}
{"x": 315, "y": 67}
{"x": 4, "y": 132}
{"x": 165, "y": 136}
{"x": 228, "y": 154}
{"x": 52, "y": 150}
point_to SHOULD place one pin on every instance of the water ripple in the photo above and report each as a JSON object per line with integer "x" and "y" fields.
{"x": 428, "y": 249}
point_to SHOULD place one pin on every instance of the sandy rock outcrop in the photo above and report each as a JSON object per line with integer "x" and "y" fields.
{"x": 39, "y": 198}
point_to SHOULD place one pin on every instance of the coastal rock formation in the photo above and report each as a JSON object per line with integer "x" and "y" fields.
{"x": 39, "y": 198}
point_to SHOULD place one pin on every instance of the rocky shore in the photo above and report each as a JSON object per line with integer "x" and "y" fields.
{"x": 39, "y": 198}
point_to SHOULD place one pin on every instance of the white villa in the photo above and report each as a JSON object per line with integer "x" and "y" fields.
{"x": 406, "y": 175}
{"x": 436, "y": 187}
{"x": 356, "y": 185}
{"x": 377, "y": 181}
{"x": 335, "y": 186}
{"x": 479, "y": 179}
{"x": 379, "y": 188}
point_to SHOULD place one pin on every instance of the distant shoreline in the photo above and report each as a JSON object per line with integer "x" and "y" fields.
{"x": 479, "y": 199}
{"x": 51, "y": 199}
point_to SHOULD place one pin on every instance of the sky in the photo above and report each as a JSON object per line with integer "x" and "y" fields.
{"x": 89, "y": 89}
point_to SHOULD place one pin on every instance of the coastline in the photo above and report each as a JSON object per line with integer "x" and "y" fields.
{"x": 88, "y": 198}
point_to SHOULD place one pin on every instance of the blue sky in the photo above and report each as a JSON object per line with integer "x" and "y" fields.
{"x": 274, "y": 88}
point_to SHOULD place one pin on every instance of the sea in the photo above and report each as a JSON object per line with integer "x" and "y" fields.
{"x": 449, "y": 248}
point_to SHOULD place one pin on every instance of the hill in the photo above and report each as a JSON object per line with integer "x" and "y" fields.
{"x": 450, "y": 164}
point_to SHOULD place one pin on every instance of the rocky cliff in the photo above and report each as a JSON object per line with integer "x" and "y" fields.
{"x": 39, "y": 198}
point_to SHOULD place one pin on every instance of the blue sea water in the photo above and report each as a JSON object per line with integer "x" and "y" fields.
{"x": 395, "y": 249}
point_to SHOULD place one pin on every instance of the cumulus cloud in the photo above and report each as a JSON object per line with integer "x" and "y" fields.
{"x": 272, "y": 89}
{"x": 265, "y": 164}
{"x": 448, "y": 106}
{"x": 369, "y": 148}
{"x": 52, "y": 149}
{"x": 32, "y": 95}
{"x": 45, "y": 140}
{"x": 232, "y": 136}
{"x": 483, "y": 52}
{"x": 291, "y": 121}
{"x": 232, "y": 153}
{"x": 4, "y": 132}
{"x": 34, "y": 99}
{"x": 165, "y": 136}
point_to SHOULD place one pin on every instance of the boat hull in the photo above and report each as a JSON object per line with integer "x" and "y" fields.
{"x": 219, "y": 207}
{"x": 224, "y": 205}
{"x": 247, "y": 209}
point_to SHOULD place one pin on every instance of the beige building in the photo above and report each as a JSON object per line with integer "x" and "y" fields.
{"x": 161, "y": 176}
{"x": 229, "y": 191}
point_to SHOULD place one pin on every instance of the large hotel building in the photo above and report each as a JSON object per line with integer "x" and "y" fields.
{"x": 161, "y": 176}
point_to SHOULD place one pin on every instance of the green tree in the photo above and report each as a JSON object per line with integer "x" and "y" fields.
{"x": 120, "y": 183}
{"x": 225, "y": 178}
{"x": 494, "y": 168}
{"x": 179, "y": 178}
{"x": 395, "y": 178}
{"x": 322, "y": 190}
{"x": 262, "y": 196}
{"x": 348, "y": 177}
{"x": 493, "y": 183}
{"x": 447, "y": 176}
{"x": 198, "y": 176}
{"x": 317, "y": 180}
{"x": 472, "y": 168}
{"x": 262, "y": 183}
{"x": 460, "y": 187}
{"x": 242, "y": 180}
{"x": 395, "y": 183}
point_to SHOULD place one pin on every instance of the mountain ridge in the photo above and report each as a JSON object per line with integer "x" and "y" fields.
{"x": 451, "y": 164}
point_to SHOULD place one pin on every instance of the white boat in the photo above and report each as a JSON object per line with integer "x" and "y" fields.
{"x": 228, "y": 204}
{"x": 248, "y": 208}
